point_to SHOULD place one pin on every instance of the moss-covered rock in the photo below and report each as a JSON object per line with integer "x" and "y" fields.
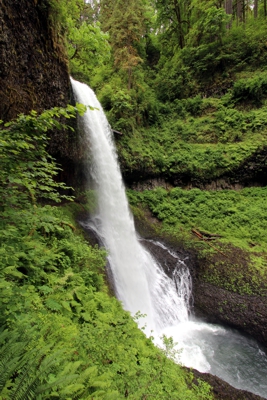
{"x": 229, "y": 288}
{"x": 33, "y": 70}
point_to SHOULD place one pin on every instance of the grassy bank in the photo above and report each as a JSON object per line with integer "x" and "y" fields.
{"x": 227, "y": 228}
{"x": 201, "y": 138}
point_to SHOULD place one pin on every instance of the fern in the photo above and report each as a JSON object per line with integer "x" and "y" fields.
{"x": 35, "y": 372}
{"x": 11, "y": 357}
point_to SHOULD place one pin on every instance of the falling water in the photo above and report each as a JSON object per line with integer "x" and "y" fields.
{"x": 140, "y": 282}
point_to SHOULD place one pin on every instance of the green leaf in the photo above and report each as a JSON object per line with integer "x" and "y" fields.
{"x": 53, "y": 304}
{"x": 12, "y": 271}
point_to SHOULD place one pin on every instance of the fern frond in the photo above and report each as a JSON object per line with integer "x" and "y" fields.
{"x": 11, "y": 356}
{"x": 35, "y": 373}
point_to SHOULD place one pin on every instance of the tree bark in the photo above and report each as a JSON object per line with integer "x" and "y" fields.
{"x": 239, "y": 11}
{"x": 255, "y": 10}
{"x": 177, "y": 11}
{"x": 228, "y": 6}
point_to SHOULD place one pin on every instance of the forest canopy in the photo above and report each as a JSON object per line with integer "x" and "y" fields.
{"x": 142, "y": 54}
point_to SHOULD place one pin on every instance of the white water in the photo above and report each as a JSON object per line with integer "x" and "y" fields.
{"x": 140, "y": 282}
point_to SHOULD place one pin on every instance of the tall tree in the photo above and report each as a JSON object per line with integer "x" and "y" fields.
{"x": 209, "y": 22}
{"x": 228, "y": 5}
{"x": 86, "y": 44}
{"x": 125, "y": 23}
{"x": 174, "y": 18}
{"x": 255, "y": 8}
{"x": 239, "y": 10}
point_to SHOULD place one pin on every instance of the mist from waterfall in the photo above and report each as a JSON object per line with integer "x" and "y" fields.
{"x": 140, "y": 282}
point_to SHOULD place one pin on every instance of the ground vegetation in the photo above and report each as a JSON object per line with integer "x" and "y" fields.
{"x": 62, "y": 335}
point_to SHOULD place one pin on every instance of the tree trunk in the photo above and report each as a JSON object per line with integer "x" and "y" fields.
{"x": 255, "y": 8}
{"x": 239, "y": 11}
{"x": 228, "y": 6}
{"x": 177, "y": 11}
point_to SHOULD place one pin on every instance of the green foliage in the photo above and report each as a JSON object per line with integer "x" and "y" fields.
{"x": 127, "y": 109}
{"x": 194, "y": 105}
{"x": 125, "y": 24}
{"x": 200, "y": 138}
{"x": 87, "y": 48}
{"x": 153, "y": 53}
{"x": 211, "y": 57}
{"x": 238, "y": 216}
{"x": 251, "y": 89}
{"x": 173, "y": 21}
{"x": 86, "y": 45}
{"x": 27, "y": 171}
{"x": 236, "y": 257}
{"x": 209, "y": 27}
{"x": 62, "y": 336}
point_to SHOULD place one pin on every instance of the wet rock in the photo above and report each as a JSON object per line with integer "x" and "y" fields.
{"x": 215, "y": 305}
{"x": 222, "y": 390}
{"x": 229, "y": 290}
{"x": 244, "y": 312}
{"x": 226, "y": 287}
{"x": 33, "y": 71}
{"x": 34, "y": 76}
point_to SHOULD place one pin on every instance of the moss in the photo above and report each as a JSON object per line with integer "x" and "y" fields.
{"x": 235, "y": 273}
{"x": 221, "y": 141}
{"x": 237, "y": 270}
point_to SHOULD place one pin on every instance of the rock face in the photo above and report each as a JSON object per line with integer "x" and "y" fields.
{"x": 247, "y": 313}
{"x": 33, "y": 71}
{"x": 252, "y": 172}
{"x": 223, "y": 391}
{"x": 34, "y": 75}
{"x": 215, "y": 304}
{"x": 227, "y": 290}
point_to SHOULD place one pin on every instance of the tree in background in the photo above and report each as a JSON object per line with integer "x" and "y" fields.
{"x": 208, "y": 24}
{"x": 139, "y": 53}
{"x": 125, "y": 23}
{"x": 174, "y": 19}
{"x": 86, "y": 44}
{"x": 255, "y": 9}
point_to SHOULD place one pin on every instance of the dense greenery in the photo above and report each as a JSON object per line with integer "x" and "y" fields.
{"x": 226, "y": 227}
{"x": 200, "y": 139}
{"x": 185, "y": 82}
{"x": 62, "y": 336}
{"x": 239, "y": 217}
{"x": 145, "y": 56}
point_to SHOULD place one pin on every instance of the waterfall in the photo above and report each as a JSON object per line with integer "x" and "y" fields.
{"x": 140, "y": 282}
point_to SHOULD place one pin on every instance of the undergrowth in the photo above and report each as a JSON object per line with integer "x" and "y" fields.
{"x": 203, "y": 138}
{"x": 62, "y": 336}
{"x": 239, "y": 217}
{"x": 226, "y": 227}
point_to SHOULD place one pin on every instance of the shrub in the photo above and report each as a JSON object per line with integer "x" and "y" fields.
{"x": 251, "y": 89}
